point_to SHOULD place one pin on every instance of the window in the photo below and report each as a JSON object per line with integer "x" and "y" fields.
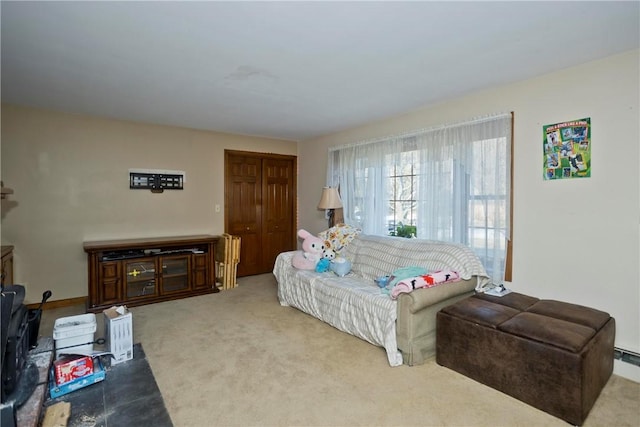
{"x": 403, "y": 188}
{"x": 450, "y": 183}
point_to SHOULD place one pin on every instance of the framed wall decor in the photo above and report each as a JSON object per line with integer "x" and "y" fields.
{"x": 566, "y": 151}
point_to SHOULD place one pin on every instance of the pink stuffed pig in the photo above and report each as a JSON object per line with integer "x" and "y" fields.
{"x": 312, "y": 249}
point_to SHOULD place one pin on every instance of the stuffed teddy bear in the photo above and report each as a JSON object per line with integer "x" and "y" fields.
{"x": 311, "y": 253}
{"x": 323, "y": 265}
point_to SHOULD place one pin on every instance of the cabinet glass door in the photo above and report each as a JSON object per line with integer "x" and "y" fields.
{"x": 175, "y": 273}
{"x": 141, "y": 278}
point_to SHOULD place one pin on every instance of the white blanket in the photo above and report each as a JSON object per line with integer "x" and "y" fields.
{"x": 348, "y": 303}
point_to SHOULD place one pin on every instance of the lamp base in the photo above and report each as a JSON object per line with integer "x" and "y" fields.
{"x": 331, "y": 221}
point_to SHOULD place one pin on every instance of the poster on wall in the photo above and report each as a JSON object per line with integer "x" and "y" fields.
{"x": 567, "y": 150}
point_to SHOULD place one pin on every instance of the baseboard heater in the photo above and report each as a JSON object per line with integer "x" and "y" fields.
{"x": 626, "y": 356}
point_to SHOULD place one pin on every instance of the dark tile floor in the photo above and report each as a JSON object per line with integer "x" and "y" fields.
{"x": 128, "y": 396}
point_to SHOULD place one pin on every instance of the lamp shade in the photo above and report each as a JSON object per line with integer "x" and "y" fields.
{"x": 330, "y": 199}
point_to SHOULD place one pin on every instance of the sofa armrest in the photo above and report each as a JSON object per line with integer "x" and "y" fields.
{"x": 417, "y": 300}
{"x": 416, "y": 322}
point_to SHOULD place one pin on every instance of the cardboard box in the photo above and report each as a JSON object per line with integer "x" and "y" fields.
{"x": 60, "y": 390}
{"x": 118, "y": 332}
{"x": 69, "y": 368}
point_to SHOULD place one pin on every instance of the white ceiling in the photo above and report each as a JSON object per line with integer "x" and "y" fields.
{"x": 290, "y": 70}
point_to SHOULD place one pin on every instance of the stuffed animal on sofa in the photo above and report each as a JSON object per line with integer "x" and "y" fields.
{"x": 340, "y": 266}
{"x": 325, "y": 262}
{"x": 311, "y": 253}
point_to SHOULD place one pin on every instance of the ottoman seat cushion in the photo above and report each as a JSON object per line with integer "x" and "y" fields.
{"x": 574, "y": 313}
{"x": 559, "y": 333}
{"x": 482, "y": 312}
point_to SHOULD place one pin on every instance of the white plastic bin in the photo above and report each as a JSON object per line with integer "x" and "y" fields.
{"x": 74, "y": 334}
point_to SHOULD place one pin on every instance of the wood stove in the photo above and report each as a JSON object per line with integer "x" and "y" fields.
{"x": 16, "y": 351}
{"x": 19, "y": 329}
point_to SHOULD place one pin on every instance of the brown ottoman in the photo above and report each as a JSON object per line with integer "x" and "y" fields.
{"x": 553, "y": 355}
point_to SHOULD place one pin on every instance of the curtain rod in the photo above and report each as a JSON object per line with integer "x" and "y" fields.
{"x": 417, "y": 132}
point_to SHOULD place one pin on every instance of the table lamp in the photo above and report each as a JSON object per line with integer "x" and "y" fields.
{"x": 330, "y": 200}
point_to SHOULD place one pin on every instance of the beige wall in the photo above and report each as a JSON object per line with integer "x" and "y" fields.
{"x": 71, "y": 182}
{"x": 575, "y": 240}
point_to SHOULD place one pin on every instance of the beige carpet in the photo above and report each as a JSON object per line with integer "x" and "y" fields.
{"x": 238, "y": 358}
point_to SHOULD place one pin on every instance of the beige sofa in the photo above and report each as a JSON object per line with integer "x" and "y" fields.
{"x": 405, "y": 327}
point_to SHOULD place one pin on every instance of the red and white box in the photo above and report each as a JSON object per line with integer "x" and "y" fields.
{"x": 72, "y": 367}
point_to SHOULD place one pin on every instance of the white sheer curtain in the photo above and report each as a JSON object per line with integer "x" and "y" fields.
{"x": 461, "y": 175}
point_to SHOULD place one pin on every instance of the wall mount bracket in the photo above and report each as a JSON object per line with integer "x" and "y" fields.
{"x": 156, "y": 181}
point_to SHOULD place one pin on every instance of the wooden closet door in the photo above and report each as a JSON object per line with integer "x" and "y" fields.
{"x": 260, "y": 193}
{"x": 278, "y": 209}
{"x": 243, "y": 209}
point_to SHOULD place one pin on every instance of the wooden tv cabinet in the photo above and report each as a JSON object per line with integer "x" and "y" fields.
{"x": 144, "y": 271}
